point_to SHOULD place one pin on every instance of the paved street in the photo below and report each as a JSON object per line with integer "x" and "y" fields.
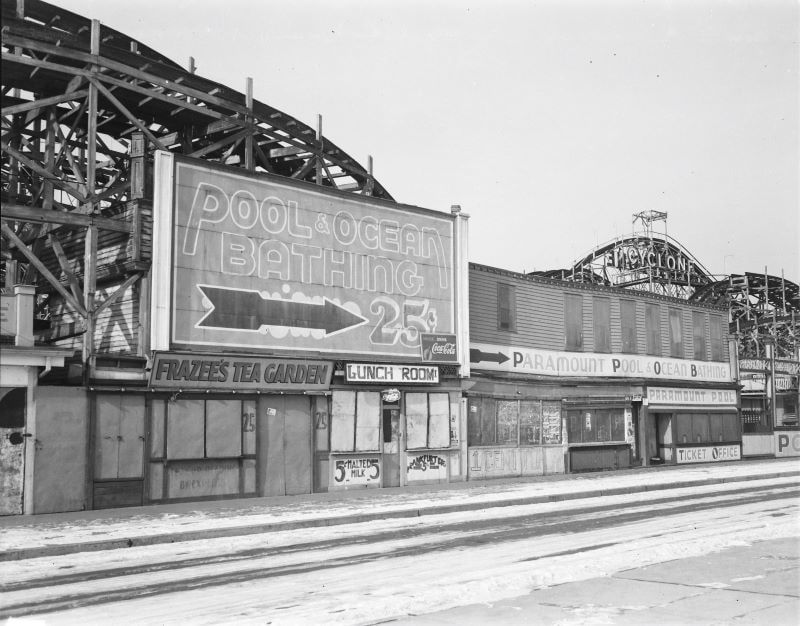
{"x": 721, "y": 549}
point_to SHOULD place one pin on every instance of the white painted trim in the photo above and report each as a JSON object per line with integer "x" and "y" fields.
{"x": 163, "y": 195}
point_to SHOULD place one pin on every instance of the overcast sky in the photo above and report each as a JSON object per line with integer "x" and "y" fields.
{"x": 551, "y": 123}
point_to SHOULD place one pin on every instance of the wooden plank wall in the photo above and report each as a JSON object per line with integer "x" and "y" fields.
{"x": 540, "y": 314}
{"x": 116, "y": 329}
{"x": 119, "y": 327}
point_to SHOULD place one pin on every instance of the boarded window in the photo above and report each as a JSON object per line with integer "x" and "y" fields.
{"x": 573, "y": 322}
{"x": 716, "y": 338}
{"x": 627, "y": 310}
{"x": 652, "y": 324}
{"x": 343, "y": 421}
{"x": 223, "y": 428}
{"x": 427, "y": 420}
{"x": 675, "y": 333}
{"x": 439, "y": 421}
{"x": 699, "y": 335}
{"x": 198, "y": 429}
{"x": 186, "y": 429}
{"x": 601, "y": 313}
{"x": 368, "y": 418}
{"x": 506, "y": 307}
{"x": 482, "y": 422}
{"x": 355, "y": 421}
{"x": 416, "y": 420}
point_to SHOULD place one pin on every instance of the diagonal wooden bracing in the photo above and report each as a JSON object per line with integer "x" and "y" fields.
{"x": 83, "y": 109}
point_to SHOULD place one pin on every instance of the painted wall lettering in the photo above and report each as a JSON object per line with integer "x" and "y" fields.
{"x": 193, "y": 371}
{"x": 555, "y": 363}
{"x": 262, "y": 263}
{"x": 709, "y": 454}
{"x": 357, "y": 471}
{"x": 787, "y": 443}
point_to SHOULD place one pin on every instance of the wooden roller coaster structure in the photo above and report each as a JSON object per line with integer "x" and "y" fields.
{"x": 84, "y": 107}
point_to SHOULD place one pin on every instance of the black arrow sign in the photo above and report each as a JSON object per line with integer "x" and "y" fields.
{"x": 476, "y": 356}
{"x": 245, "y": 309}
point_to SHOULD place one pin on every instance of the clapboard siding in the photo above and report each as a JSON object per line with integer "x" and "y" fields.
{"x": 116, "y": 328}
{"x": 540, "y": 313}
{"x": 115, "y": 250}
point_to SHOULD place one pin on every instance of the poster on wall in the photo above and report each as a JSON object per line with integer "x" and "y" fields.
{"x": 260, "y": 262}
{"x": 356, "y": 471}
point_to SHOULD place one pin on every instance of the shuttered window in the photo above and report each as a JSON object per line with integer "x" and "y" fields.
{"x": 627, "y": 310}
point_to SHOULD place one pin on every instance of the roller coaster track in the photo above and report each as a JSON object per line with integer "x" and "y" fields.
{"x": 84, "y": 107}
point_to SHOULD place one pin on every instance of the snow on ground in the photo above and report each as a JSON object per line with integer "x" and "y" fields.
{"x": 35, "y": 568}
{"x": 430, "y": 580}
{"x": 21, "y": 533}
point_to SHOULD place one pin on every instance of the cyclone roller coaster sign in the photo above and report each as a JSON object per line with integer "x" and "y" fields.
{"x": 257, "y": 262}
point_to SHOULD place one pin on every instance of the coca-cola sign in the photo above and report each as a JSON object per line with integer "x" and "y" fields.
{"x": 438, "y": 348}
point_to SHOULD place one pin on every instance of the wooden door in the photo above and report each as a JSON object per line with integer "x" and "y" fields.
{"x": 60, "y": 459}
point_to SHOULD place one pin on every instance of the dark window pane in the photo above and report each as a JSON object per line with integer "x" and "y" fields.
{"x": 716, "y": 337}
{"x": 699, "y": 335}
{"x": 700, "y": 431}
{"x": 715, "y": 427}
{"x": 627, "y": 309}
{"x": 617, "y": 425}
{"x": 488, "y": 422}
{"x": 506, "y": 308}
{"x": 675, "y": 333}
{"x": 652, "y": 322}
{"x": 730, "y": 427}
{"x": 601, "y": 309}
{"x": 574, "y": 427}
{"x": 573, "y": 322}
{"x": 603, "y": 425}
{"x": 589, "y": 426}
{"x": 683, "y": 427}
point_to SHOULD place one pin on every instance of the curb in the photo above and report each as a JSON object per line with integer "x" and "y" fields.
{"x": 216, "y": 533}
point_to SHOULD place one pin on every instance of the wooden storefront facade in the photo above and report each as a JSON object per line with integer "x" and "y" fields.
{"x": 572, "y": 377}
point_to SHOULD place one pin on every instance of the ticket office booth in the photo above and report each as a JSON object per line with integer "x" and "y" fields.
{"x": 690, "y": 425}
{"x": 601, "y": 435}
{"x": 390, "y": 434}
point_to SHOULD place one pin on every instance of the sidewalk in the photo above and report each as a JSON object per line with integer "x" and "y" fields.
{"x": 23, "y": 537}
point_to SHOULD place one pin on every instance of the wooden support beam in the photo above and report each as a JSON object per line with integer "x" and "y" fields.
{"x": 36, "y": 105}
{"x": 65, "y": 268}
{"x": 318, "y": 158}
{"x": 222, "y": 142}
{"x": 249, "y": 160}
{"x": 12, "y": 238}
{"x": 57, "y": 180}
{"x": 124, "y": 110}
{"x": 117, "y": 293}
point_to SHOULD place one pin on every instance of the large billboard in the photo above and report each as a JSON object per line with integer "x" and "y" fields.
{"x": 258, "y": 262}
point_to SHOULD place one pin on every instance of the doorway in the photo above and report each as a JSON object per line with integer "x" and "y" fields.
{"x": 284, "y": 432}
{"x": 390, "y": 412}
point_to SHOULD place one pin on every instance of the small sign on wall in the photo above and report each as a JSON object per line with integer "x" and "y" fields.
{"x": 709, "y": 454}
{"x": 427, "y": 467}
{"x": 357, "y": 471}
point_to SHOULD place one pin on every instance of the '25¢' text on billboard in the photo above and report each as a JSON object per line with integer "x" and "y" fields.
{"x": 258, "y": 263}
